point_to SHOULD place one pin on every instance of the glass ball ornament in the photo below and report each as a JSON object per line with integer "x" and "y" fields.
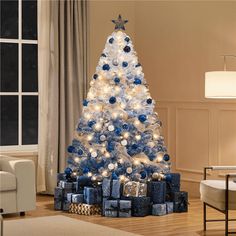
{"x": 111, "y": 166}
{"x": 111, "y": 128}
{"x": 71, "y": 149}
{"x": 124, "y": 64}
{"x": 111, "y": 40}
{"x": 125, "y": 126}
{"x": 143, "y": 174}
{"x": 166, "y": 157}
{"x": 156, "y": 176}
{"x": 86, "y": 170}
{"x": 137, "y": 81}
{"x": 115, "y": 62}
{"x": 91, "y": 123}
{"x": 149, "y": 101}
{"x": 142, "y": 118}
{"x": 117, "y": 80}
{"x": 85, "y": 103}
{"x": 80, "y": 152}
{"x": 112, "y": 100}
{"x": 129, "y": 170}
{"x": 106, "y": 67}
{"x": 68, "y": 171}
{"x": 124, "y": 142}
{"x": 102, "y": 137}
{"x": 168, "y": 177}
{"x": 95, "y": 76}
{"x": 94, "y": 154}
{"x": 127, "y": 49}
{"x": 127, "y": 39}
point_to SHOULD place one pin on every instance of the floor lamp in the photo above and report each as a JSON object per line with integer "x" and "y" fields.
{"x": 221, "y": 85}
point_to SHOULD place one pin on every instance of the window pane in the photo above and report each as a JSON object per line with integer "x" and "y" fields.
{"x": 9, "y": 120}
{"x": 30, "y": 120}
{"x": 9, "y": 19}
{"x": 29, "y": 19}
{"x": 9, "y": 67}
{"x": 30, "y": 67}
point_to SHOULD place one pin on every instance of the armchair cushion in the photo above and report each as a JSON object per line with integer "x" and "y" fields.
{"x": 213, "y": 193}
{"x": 7, "y": 181}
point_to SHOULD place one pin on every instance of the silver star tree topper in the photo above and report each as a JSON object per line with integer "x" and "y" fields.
{"x": 119, "y": 23}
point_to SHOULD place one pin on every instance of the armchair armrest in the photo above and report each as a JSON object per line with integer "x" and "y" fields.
{"x": 218, "y": 168}
{"x": 24, "y": 170}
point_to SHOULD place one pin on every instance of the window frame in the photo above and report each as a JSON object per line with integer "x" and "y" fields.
{"x": 20, "y": 94}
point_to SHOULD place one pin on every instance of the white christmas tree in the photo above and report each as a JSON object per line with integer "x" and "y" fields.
{"x": 119, "y": 134}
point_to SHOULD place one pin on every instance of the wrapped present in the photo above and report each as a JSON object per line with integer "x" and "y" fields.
{"x": 104, "y": 199}
{"x": 65, "y": 184}
{"x": 61, "y": 176}
{"x": 65, "y": 205}
{"x": 117, "y": 208}
{"x": 93, "y": 195}
{"x": 159, "y": 209}
{"x": 140, "y": 206}
{"x": 169, "y": 207}
{"x": 58, "y": 193}
{"x": 180, "y": 201}
{"x": 172, "y": 185}
{"x": 135, "y": 189}
{"x": 81, "y": 182}
{"x": 111, "y": 188}
{"x": 75, "y": 198}
{"x": 58, "y": 204}
{"x": 85, "y": 209}
{"x": 157, "y": 191}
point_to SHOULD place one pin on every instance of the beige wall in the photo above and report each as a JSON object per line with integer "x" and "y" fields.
{"x": 176, "y": 43}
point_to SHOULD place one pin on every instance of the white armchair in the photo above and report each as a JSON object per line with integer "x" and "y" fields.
{"x": 17, "y": 185}
{"x": 219, "y": 194}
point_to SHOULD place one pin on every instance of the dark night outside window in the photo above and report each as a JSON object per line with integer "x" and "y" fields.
{"x": 19, "y": 73}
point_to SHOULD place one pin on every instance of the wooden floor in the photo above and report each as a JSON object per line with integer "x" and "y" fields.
{"x": 173, "y": 224}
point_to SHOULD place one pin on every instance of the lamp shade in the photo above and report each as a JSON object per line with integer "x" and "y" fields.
{"x": 220, "y": 84}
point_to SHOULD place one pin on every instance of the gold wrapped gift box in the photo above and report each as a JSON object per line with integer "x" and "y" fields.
{"x": 85, "y": 209}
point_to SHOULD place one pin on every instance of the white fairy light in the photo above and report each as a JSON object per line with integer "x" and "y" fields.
{"x": 111, "y": 128}
{"x": 89, "y": 137}
{"x": 124, "y": 142}
{"x": 89, "y": 174}
{"x": 77, "y": 159}
{"x": 138, "y": 137}
{"x": 126, "y": 135}
{"x": 129, "y": 170}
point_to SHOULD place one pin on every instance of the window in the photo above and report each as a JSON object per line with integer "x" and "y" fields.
{"x": 19, "y": 75}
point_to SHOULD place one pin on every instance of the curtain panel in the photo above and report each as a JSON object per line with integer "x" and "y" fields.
{"x": 62, "y": 59}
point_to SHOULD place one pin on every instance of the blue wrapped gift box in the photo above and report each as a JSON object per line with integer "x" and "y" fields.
{"x": 92, "y": 195}
{"x": 172, "y": 186}
{"x": 169, "y": 207}
{"x": 140, "y": 206}
{"x": 111, "y": 188}
{"x": 180, "y": 201}
{"x": 157, "y": 191}
{"x": 75, "y": 198}
{"x": 66, "y": 185}
{"x": 117, "y": 208}
{"x": 81, "y": 182}
{"x": 159, "y": 209}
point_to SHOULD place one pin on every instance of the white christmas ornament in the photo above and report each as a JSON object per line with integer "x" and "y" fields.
{"x": 111, "y": 128}
{"x": 124, "y": 142}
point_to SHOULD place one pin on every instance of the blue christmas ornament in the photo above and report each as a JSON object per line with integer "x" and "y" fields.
{"x": 138, "y": 65}
{"x": 149, "y": 101}
{"x": 110, "y": 146}
{"x": 134, "y": 146}
{"x": 142, "y": 118}
{"x": 86, "y": 170}
{"x": 117, "y": 80}
{"x": 143, "y": 174}
{"x": 103, "y": 55}
{"x": 70, "y": 149}
{"x": 114, "y": 176}
{"x": 125, "y": 126}
{"x": 124, "y": 63}
{"x": 127, "y": 39}
{"x": 80, "y": 152}
{"x": 68, "y": 171}
{"x": 166, "y": 157}
{"x": 106, "y": 67}
{"x": 95, "y": 76}
{"x": 91, "y": 123}
{"x": 168, "y": 177}
{"x": 137, "y": 81}
{"x": 85, "y": 102}
{"x": 118, "y": 131}
{"x": 112, "y": 100}
{"x": 127, "y": 49}
{"x": 111, "y": 40}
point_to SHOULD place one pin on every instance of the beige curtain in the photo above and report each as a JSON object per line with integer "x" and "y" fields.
{"x": 62, "y": 82}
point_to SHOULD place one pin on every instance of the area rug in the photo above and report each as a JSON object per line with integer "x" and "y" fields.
{"x": 58, "y": 226}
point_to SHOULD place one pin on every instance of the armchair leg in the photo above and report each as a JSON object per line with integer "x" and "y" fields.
{"x": 22, "y": 213}
{"x": 204, "y": 216}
